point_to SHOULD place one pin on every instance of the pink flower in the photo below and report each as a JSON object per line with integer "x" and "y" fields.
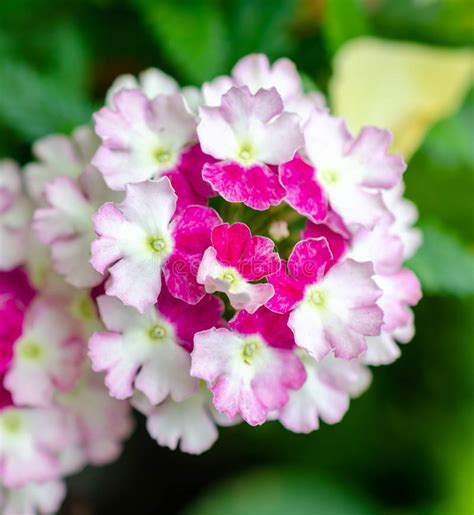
{"x": 11, "y": 324}
{"x": 256, "y": 72}
{"x": 45, "y": 497}
{"x": 404, "y": 214}
{"x": 352, "y": 172}
{"x": 250, "y": 135}
{"x": 66, "y": 226}
{"x": 16, "y": 284}
{"x": 15, "y": 216}
{"x": 136, "y": 242}
{"x": 247, "y": 374}
{"x": 326, "y": 393}
{"x": 142, "y": 138}
{"x": 47, "y": 356}
{"x": 234, "y": 259}
{"x": 103, "y": 423}
{"x": 191, "y": 423}
{"x": 331, "y": 309}
{"x": 149, "y": 351}
{"x": 31, "y": 440}
{"x": 152, "y": 82}
{"x": 59, "y": 156}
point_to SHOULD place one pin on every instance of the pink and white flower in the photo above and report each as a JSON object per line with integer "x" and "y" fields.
{"x": 352, "y": 172}
{"x": 326, "y": 393}
{"x": 136, "y": 241}
{"x": 404, "y": 214}
{"x": 250, "y": 135}
{"x": 331, "y": 310}
{"x": 150, "y": 351}
{"x": 250, "y": 368}
{"x": 256, "y": 72}
{"x": 66, "y": 226}
{"x": 15, "y": 216}
{"x": 45, "y": 498}
{"x": 31, "y": 440}
{"x": 236, "y": 258}
{"x": 142, "y": 138}
{"x": 103, "y": 422}
{"x": 59, "y": 156}
{"x": 152, "y": 82}
{"x": 189, "y": 424}
{"x": 47, "y": 357}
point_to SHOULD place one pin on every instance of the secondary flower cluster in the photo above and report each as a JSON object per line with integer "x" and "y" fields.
{"x": 220, "y": 254}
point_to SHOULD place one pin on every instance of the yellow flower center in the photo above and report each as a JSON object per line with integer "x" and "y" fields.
{"x": 11, "y": 422}
{"x": 246, "y": 153}
{"x": 329, "y": 176}
{"x": 157, "y": 332}
{"x": 30, "y": 350}
{"x": 163, "y": 156}
{"x": 250, "y": 350}
{"x": 317, "y": 298}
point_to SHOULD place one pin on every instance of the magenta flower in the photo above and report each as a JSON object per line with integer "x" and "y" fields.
{"x": 149, "y": 351}
{"x": 249, "y": 135}
{"x": 234, "y": 259}
{"x": 136, "y": 241}
{"x": 331, "y": 310}
{"x": 249, "y": 368}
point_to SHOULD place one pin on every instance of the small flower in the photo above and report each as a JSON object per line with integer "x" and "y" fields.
{"x": 234, "y": 259}
{"x": 135, "y": 242}
{"x": 15, "y": 216}
{"x": 66, "y": 224}
{"x": 31, "y": 440}
{"x": 250, "y": 135}
{"x": 255, "y": 72}
{"x": 152, "y": 82}
{"x": 47, "y": 356}
{"x": 45, "y": 497}
{"x": 247, "y": 374}
{"x": 11, "y": 325}
{"x": 326, "y": 393}
{"x": 142, "y": 138}
{"x": 331, "y": 309}
{"x": 149, "y": 351}
{"x": 404, "y": 215}
{"x": 191, "y": 423}
{"x": 352, "y": 172}
{"x": 59, "y": 156}
{"x": 103, "y": 422}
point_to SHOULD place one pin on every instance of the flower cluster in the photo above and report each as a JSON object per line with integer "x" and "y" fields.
{"x": 225, "y": 254}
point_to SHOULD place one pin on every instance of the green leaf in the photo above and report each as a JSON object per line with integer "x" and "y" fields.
{"x": 444, "y": 264}
{"x": 261, "y": 26}
{"x": 34, "y": 105}
{"x": 344, "y": 20}
{"x": 281, "y": 492}
{"x": 192, "y": 33}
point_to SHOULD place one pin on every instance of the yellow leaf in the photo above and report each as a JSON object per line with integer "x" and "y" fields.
{"x": 406, "y": 87}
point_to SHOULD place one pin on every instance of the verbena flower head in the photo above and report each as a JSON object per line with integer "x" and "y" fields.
{"x": 237, "y": 260}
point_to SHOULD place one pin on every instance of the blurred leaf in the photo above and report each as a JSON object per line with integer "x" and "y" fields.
{"x": 444, "y": 264}
{"x": 261, "y": 26}
{"x": 405, "y": 87}
{"x": 440, "y": 178}
{"x": 308, "y": 83}
{"x": 344, "y": 20}
{"x": 192, "y": 33}
{"x": 281, "y": 492}
{"x": 69, "y": 61}
{"x": 434, "y": 21}
{"x": 35, "y": 105}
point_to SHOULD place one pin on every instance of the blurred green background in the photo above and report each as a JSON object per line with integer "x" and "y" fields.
{"x": 407, "y": 445}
